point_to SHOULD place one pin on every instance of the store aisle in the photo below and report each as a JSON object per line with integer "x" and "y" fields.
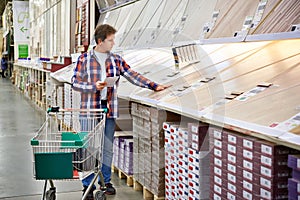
{"x": 19, "y": 120}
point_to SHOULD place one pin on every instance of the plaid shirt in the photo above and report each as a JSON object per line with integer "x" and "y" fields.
{"x": 85, "y": 80}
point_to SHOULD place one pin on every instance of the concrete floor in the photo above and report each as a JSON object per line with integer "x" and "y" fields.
{"x": 19, "y": 120}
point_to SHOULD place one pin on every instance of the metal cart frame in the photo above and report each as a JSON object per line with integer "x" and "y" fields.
{"x": 69, "y": 146}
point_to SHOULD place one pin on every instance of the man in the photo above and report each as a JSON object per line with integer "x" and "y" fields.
{"x": 4, "y": 65}
{"x": 91, "y": 70}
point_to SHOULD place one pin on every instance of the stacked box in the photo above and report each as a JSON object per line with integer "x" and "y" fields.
{"x": 198, "y": 138}
{"x": 128, "y": 157}
{"x": 244, "y": 167}
{"x": 123, "y": 153}
{"x": 138, "y": 144}
{"x": 187, "y": 169}
{"x": 157, "y": 163}
{"x": 148, "y": 147}
{"x": 183, "y": 159}
{"x": 116, "y": 152}
{"x": 170, "y": 160}
{"x": 294, "y": 181}
{"x": 199, "y": 159}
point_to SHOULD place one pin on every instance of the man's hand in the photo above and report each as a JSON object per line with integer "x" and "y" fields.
{"x": 100, "y": 85}
{"x": 162, "y": 87}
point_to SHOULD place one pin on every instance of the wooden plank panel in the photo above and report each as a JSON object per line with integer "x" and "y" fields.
{"x": 113, "y": 17}
{"x": 196, "y": 14}
{"x": 145, "y": 14}
{"x": 279, "y": 16}
{"x": 232, "y": 15}
{"x": 126, "y": 21}
{"x": 170, "y": 18}
{"x": 244, "y": 73}
{"x": 152, "y": 27}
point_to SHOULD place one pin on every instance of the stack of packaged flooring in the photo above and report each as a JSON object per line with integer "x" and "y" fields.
{"x": 123, "y": 154}
{"x": 148, "y": 147}
{"x": 245, "y": 167}
{"x": 187, "y": 161}
{"x": 294, "y": 181}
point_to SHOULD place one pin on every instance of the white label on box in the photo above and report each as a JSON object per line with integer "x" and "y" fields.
{"x": 218, "y": 162}
{"x": 231, "y": 158}
{"x": 217, "y": 171}
{"x": 265, "y": 182}
{"x": 217, "y": 134}
{"x": 195, "y": 137}
{"x": 231, "y": 177}
{"x": 266, "y": 160}
{"x": 195, "y": 129}
{"x": 266, "y": 149}
{"x": 298, "y": 163}
{"x": 230, "y": 196}
{"x": 247, "y": 154}
{"x": 218, "y": 143}
{"x": 265, "y": 194}
{"x": 265, "y": 171}
{"x": 231, "y": 168}
{"x": 247, "y": 164}
{"x": 217, "y": 152}
{"x": 194, "y": 145}
{"x": 247, "y": 195}
{"x": 217, "y": 189}
{"x": 247, "y": 175}
{"x": 217, "y": 197}
{"x": 218, "y": 180}
{"x": 232, "y": 139}
{"x": 247, "y": 185}
{"x": 248, "y": 144}
{"x": 231, "y": 187}
{"x": 231, "y": 148}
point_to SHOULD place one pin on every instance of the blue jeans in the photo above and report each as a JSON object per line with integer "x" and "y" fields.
{"x": 108, "y": 142}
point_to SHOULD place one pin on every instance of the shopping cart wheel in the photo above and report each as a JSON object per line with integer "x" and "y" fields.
{"x": 50, "y": 195}
{"x": 99, "y": 195}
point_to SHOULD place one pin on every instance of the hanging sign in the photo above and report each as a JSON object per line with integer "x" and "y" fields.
{"x": 21, "y": 21}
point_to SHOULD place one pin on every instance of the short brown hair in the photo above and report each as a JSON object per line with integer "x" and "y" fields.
{"x": 102, "y": 31}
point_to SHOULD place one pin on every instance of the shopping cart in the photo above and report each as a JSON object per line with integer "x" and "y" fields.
{"x": 69, "y": 146}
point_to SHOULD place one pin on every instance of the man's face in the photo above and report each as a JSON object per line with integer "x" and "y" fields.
{"x": 108, "y": 43}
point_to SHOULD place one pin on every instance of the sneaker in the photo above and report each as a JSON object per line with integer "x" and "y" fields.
{"x": 109, "y": 189}
{"x": 90, "y": 195}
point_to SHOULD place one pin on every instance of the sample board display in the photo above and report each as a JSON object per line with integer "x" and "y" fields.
{"x": 251, "y": 85}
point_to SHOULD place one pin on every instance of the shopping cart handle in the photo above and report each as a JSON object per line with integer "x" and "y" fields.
{"x": 53, "y": 109}
{"x": 57, "y": 109}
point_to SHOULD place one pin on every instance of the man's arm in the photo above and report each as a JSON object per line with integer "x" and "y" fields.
{"x": 138, "y": 79}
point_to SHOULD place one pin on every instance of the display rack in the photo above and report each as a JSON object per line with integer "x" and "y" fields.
{"x": 82, "y": 24}
{"x": 31, "y": 80}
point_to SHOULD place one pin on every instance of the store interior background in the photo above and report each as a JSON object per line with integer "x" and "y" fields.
{"x": 231, "y": 64}
{"x": 223, "y": 50}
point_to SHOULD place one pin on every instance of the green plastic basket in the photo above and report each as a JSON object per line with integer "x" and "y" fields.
{"x": 70, "y": 139}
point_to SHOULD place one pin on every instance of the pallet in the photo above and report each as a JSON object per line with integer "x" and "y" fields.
{"x": 123, "y": 175}
{"x": 147, "y": 194}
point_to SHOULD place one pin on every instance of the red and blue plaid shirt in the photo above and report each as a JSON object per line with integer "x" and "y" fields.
{"x": 85, "y": 80}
